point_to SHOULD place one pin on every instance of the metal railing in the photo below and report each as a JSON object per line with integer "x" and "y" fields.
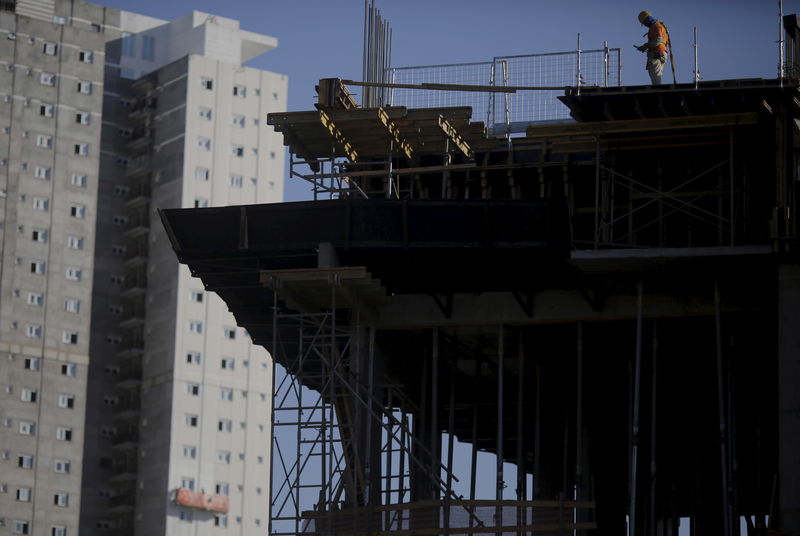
{"x": 507, "y": 113}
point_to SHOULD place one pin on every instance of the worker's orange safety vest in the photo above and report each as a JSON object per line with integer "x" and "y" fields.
{"x": 657, "y": 29}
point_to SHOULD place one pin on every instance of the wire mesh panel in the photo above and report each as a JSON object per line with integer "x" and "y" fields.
{"x": 510, "y": 112}
{"x": 474, "y": 74}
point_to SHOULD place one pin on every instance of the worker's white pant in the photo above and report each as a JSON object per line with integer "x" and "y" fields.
{"x": 655, "y": 66}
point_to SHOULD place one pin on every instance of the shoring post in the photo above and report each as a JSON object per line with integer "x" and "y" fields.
{"x": 522, "y": 512}
{"x": 653, "y": 416}
{"x": 434, "y": 405}
{"x": 500, "y": 415}
{"x": 389, "y": 476}
{"x": 451, "y": 437}
{"x": 273, "y": 351}
{"x": 605, "y": 63}
{"x": 537, "y": 442}
{"x": 578, "y": 492}
{"x": 732, "y": 199}
{"x": 299, "y": 435}
{"x": 474, "y": 438}
{"x": 635, "y": 428}
{"x": 726, "y": 513}
{"x": 597, "y": 193}
{"x": 368, "y": 478}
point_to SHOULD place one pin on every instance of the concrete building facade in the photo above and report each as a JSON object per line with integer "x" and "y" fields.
{"x": 122, "y": 380}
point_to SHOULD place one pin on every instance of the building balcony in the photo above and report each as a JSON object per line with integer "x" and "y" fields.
{"x": 138, "y": 226}
{"x": 126, "y": 439}
{"x": 142, "y": 139}
{"x": 138, "y": 167}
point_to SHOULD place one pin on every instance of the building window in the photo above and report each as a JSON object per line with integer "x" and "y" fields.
{"x": 50, "y": 48}
{"x": 227, "y": 363}
{"x": 69, "y": 337}
{"x": 237, "y": 181}
{"x": 128, "y": 44}
{"x": 69, "y": 369}
{"x": 193, "y": 358}
{"x": 224, "y": 425}
{"x": 84, "y": 87}
{"x": 238, "y": 121}
{"x": 72, "y": 305}
{"x": 187, "y": 483}
{"x": 200, "y": 203}
{"x": 66, "y": 401}
{"x": 19, "y": 527}
{"x": 58, "y": 530}
{"x": 25, "y": 461}
{"x": 220, "y": 520}
{"x": 36, "y": 299}
{"x": 193, "y": 389}
{"x": 190, "y": 419}
{"x": 127, "y": 73}
{"x": 222, "y": 488}
{"x": 33, "y": 331}
{"x": 81, "y": 149}
{"x": 224, "y": 456}
{"x": 190, "y": 451}
{"x": 206, "y": 83}
{"x": 47, "y": 79}
{"x": 27, "y": 428}
{"x": 185, "y": 515}
{"x": 61, "y": 499}
{"x": 42, "y": 172}
{"x": 38, "y": 267}
{"x": 24, "y": 494}
{"x": 239, "y": 91}
{"x": 77, "y": 211}
{"x": 117, "y": 249}
{"x": 75, "y": 242}
{"x": 237, "y": 150}
{"x": 205, "y": 113}
{"x": 62, "y": 466}
{"x": 28, "y": 395}
{"x": 74, "y": 274}
{"x": 45, "y": 141}
{"x": 203, "y": 143}
{"x": 85, "y": 56}
{"x": 39, "y": 235}
{"x": 195, "y": 326}
{"x": 225, "y": 393}
{"x": 47, "y": 110}
{"x": 229, "y": 332}
{"x": 83, "y": 118}
{"x": 197, "y": 296}
{"x": 148, "y": 47}
{"x": 32, "y": 363}
{"x": 41, "y": 203}
{"x": 202, "y": 173}
{"x": 79, "y": 180}
{"x": 64, "y": 434}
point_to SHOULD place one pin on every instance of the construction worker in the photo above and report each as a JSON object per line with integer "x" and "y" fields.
{"x": 656, "y": 46}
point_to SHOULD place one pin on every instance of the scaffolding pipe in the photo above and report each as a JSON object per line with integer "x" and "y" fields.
{"x": 636, "y": 387}
{"x": 653, "y": 415}
{"x": 726, "y": 520}
{"x": 578, "y": 68}
{"x": 434, "y": 405}
{"x": 500, "y": 415}
{"x": 579, "y": 416}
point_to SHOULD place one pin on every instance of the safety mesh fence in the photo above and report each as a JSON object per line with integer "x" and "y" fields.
{"x": 509, "y": 112}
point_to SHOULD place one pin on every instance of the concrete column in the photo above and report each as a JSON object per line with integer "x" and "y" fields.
{"x": 788, "y": 397}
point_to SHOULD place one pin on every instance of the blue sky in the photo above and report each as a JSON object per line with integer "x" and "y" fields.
{"x": 323, "y": 38}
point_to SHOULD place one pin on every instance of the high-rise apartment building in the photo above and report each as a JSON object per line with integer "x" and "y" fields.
{"x": 131, "y": 402}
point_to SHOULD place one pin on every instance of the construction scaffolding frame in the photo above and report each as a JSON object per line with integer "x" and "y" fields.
{"x": 332, "y": 407}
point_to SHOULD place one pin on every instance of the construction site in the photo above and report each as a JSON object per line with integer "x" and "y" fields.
{"x": 601, "y": 294}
